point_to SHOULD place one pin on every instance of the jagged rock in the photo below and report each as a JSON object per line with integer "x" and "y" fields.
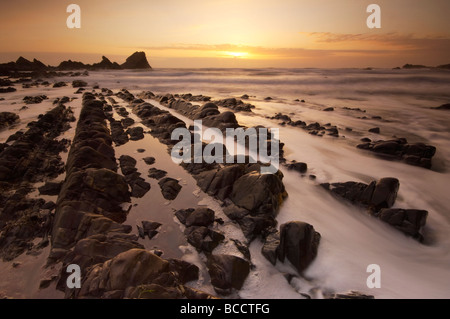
{"x": 169, "y": 188}
{"x": 136, "y": 133}
{"x": 79, "y": 84}
{"x": 149, "y": 160}
{"x": 417, "y": 154}
{"x": 156, "y": 173}
{"x": 297, "y": 166}
{"x": 128, "y": 269}
{"x": 227, "y": 272}
{"x": 376, "y": 195}
{"x": 50, "y": 188}
{"x": 298, "y": 243}
{"x": 203, "y": 238}
{"x": 137, "y": 60}
{"x": 408, "y": 221}
{"x": 7, "y": 119}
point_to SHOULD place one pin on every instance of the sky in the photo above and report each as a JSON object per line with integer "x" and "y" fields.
{"x": 229, "y": 33}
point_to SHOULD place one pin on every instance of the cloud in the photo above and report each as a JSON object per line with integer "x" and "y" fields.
{"x": 392, "y": 41}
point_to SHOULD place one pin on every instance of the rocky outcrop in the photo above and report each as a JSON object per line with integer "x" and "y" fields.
{"x": 227, "y": 272}
{"x": 378, "y": 198}
{"x": 32, "y": 157}
{"x": 106, "y": 64}
{"x": 417, "y": 154}
{"x": 8, "y": 119}
{"x": 137, "y": 60}
{"x": 296, "y": 241}
{"x": 138, "y": 273}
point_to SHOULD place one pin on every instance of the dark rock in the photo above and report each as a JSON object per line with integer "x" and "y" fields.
{"x": 409, "y": 221}
{"x": 417, "y": 154}
{"x": 9, "y": 89}
{"x": 127, "y": 122}
{"x": 200, "y": 217}
{"x": 227, "y": 272}
{"x": 351, "y": 295}
{"x": 136, "y": 133}
{"x": 137, "y": 60}
{"x": 128, "y": 269}
{"x": 7, "y": 119}
{"x": 149, "y": 160}
{"x": 270, "y": 247}
{"x": 156, "y": 173}
{"x": 385, "y": 193}
{"x": 169, "y": 188}
{"x": 139, "y": 188}
{"x": 50, "y": 189}
{"x": 149, "y": 228}
{"x": 297, "y": 166}
{"x": 329, "y": 109}
{"x": 59, "y": 84}
{"x": 443, "y": 107}
{"x": 79, "y": 84}
{"x": 298, "y": 243}
{"x": 203, "y": 238}
{"x": 375, "y": 130}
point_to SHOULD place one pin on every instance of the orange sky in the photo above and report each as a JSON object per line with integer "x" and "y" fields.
{"x": 230, "y": 33}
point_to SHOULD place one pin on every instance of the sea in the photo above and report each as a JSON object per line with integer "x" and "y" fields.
{"x": 401, "y": 103}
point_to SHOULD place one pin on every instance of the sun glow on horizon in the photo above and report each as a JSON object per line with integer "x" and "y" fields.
{"x": 236, "y": 54}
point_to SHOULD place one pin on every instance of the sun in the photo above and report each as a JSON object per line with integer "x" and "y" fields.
{"x": 236, "y": 54}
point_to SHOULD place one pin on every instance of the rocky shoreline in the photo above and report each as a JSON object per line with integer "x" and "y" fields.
{"x": 87, "y": 224}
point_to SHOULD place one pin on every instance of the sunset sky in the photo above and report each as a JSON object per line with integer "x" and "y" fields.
{"x": 230, "y": 33}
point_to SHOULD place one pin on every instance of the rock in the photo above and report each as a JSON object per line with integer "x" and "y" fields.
{"x": 376, "y": 195}
{"x": 199, "y": 217}
{"x": 256, "y": 192}
{"x": 140, "y": 150}
{"x": 351, "y": 295}
{"x": 375, "y": 130}
{"x": 137, "y": 60}
{"x": 203, "y": 238}
{"x": 8, "y": 119}
{"x": 149, "y": 160}
{"x": 139, "y": 188}
{"x": 79, "y": 84}
{"x": 59, "y": 84}
{"x": 227, "y": 272}
{"x": 136, "y": 133}
{"x": 169, "y": 188}
{"x": 50, "y": 188}
{"x": 245, "y": 97}
{"x": 385, "y": 193}
{"x": 409, "y": 221}
{"x": 34, "y": 99}
{"x": 156, "y": 173}
{"x": 8, "y": 90}
{"x": 126, "y": 122}
{"x": 270, "y": 247}
{"x": 297, "y": 166}
{"x": 128, "y": 269}
{"x": 328, "y": 109}
{"x": 127, "y": 164}
{"x": 149, "y": 228}
{"x": 298, "y": 243}
{"x": 443, "y": 107}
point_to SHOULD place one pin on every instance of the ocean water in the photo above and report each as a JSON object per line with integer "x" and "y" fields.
{"x": 351, "y": 240}
{"x": 400, "y": 103}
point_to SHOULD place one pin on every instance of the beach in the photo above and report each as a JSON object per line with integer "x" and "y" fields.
{"x": 332, "y": 120}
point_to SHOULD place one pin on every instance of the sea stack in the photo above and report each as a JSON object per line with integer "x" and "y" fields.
{"x": 137, "y": 60}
